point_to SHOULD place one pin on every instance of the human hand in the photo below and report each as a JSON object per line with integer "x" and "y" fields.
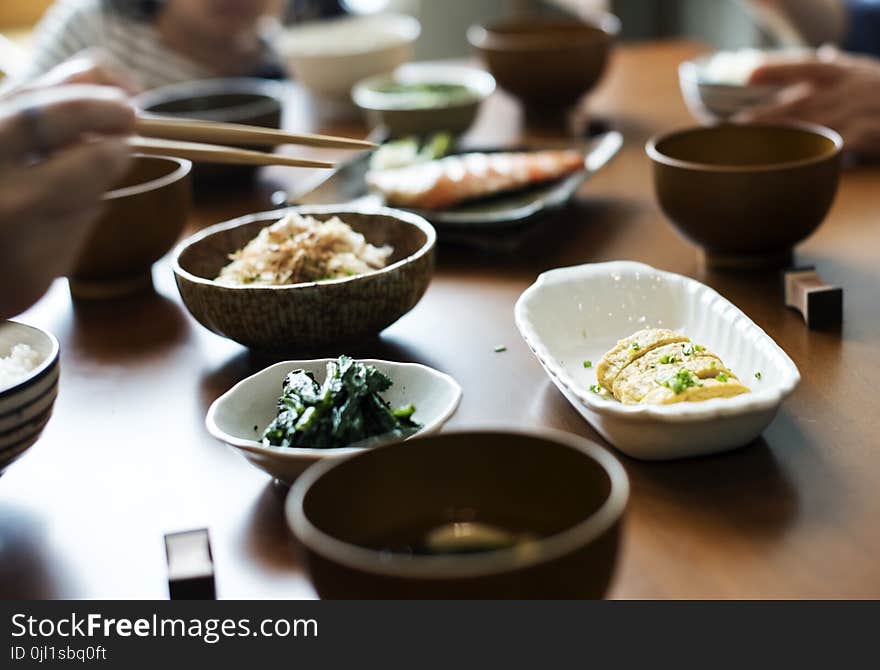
{"x": 61, "y": 149}
{"x": 833, "y": 90}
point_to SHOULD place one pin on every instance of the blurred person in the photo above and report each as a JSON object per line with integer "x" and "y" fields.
{"x": 853, "y": 25}
{"x": 836, "y": 90}
{"x": 158, "y": 42}
{"x": 61, "y": 149}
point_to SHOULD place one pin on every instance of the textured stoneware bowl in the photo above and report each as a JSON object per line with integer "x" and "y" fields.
{"x": 746, "y": 194}
{"x": 144, "y": 216}
{"x": 26, "y": 407}
{"x": 384, "y": 109}
{"x": 312, "y": 315}
{"x": 546, "y": 64}
{"x": 251, "y": 101}
{"x": 566, "y": 490}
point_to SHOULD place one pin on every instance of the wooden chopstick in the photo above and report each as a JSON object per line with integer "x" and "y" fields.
{"x": 209, "y": 153}
{"x": 235, "y": 133}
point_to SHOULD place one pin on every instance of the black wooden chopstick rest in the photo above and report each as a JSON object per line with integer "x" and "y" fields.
{"x": 190, "y": 565}
{"x": 820, "y": 304}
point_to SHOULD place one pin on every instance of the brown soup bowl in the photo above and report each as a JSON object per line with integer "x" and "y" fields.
{"x": 746, "y": 194}
{"x": 251, "y": 101}
{"x": 547, "y": 64}
{"x": 143, "y": 218}
{"x": 566, "y": 493}
{"x": 312, "y": 316}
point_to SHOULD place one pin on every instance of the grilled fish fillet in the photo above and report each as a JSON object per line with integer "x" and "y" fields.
{"x": 449, "y": 181}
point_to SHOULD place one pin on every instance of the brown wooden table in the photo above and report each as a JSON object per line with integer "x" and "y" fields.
{"x": 126, "y": 457}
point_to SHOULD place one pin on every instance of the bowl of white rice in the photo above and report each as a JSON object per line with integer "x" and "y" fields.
{"x": 306, "y": 278}
{"x": 716, "y": 86}
{"x": 29, "y": 367}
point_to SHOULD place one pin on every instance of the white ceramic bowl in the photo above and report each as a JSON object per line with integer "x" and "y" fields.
{"x": 26, "y": 407}
{"x": 240, "y": 415}
{"x": 329, "y": 57}
{"x": 575, "y": 314}
{"x": 710, "y": 101}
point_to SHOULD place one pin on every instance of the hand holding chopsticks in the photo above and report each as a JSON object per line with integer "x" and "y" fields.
{"x": 185, "y": 138}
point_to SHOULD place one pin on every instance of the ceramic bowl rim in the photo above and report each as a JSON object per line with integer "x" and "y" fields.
{"x": 400, "y": 216}
{"x": 269, "y": 92}
{"x": 184, "y": 167}
{"x": 660, "y": 158}
{"x": 580, "y": 535}
{"x": 480, "y": 83}
{"x": 488, "y": 37}
{"x": 256, "y": 447}
{"x": 43, "y": 368}
{"x": 407, "y": 29}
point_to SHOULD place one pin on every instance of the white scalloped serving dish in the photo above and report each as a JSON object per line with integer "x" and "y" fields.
{"x": 576, "y": 314}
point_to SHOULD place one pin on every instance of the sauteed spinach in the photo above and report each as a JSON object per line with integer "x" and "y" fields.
{"x": 345, "y": 409}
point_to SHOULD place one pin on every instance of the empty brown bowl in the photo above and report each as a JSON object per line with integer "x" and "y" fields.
{"x": 548, "y": 65}
{"x": 251, "y": 101}
{"x": 143, "y": 218}
{"x": 746, "y": 194}
{"x": 463, "y": 515}
{"x": 314, "y": 315}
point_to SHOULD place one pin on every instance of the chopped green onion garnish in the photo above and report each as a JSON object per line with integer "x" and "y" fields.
{"x": 666, "y": 358}
{"x": 595, "y": 388}
{"x": 588, "y": 364}
{"x": 635, "y": 346}
{"x": 683, "y": 379}
{"x": 499, "y": 348}
{"x": 758, "y": 376}
{"x": 722, "y": 377}
{"x": 699, "y": 347}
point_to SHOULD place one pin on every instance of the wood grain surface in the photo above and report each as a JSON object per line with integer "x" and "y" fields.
{"x": 126, "y": 457}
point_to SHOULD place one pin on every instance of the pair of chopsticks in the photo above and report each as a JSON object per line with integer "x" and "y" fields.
{"x": 205, "y": 141}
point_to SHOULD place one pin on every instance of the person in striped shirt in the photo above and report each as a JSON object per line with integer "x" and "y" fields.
{"x": 143, "y": 44}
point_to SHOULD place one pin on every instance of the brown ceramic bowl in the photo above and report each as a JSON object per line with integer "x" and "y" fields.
{"x": 746, "y": 194}
{"x": 315, "y": 315}
{"x": 251, "y": 101}
{"x": 548, "y": 65}
{"x": 568, "y": 492}
{"x": 144, "y": 216}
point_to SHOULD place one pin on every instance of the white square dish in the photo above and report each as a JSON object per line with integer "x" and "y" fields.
{"x": 576, "y": 314}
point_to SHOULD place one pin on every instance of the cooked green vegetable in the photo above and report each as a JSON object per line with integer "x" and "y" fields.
{"x": 411, "y": 151}
{"x": 345, "y": 409}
